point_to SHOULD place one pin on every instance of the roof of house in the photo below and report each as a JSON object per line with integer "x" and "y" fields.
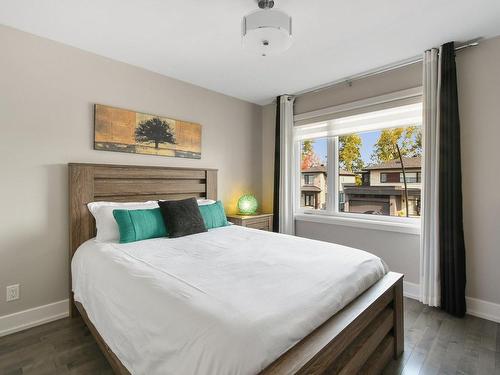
{"x": 396, "y": 164}
{"x": 322, "y": 168}
{"x": 315, "y": 168}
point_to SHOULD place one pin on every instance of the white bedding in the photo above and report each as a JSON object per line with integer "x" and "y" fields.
{"x": 228, "y": 301}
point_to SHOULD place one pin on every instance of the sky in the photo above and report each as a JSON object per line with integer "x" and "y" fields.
{"x": 368, "y": 140}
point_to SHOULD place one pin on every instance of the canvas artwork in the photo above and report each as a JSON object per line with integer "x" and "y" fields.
{"x": 129, "y": 131}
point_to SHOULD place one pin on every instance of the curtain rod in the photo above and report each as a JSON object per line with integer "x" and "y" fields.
{"x": 383, "y": 69}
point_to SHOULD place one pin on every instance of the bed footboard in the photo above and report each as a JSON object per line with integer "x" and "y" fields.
{"x": 361, "y": 338}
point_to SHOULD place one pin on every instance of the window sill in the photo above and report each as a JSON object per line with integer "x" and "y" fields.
{"x": 390, "y": 226}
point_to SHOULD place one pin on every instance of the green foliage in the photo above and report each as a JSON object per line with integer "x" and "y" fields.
{"x": 409, "y": 140}
{"x": 307, "y": 146}
{"x": 154, "y": 130}
{"x": 350, "y": 153}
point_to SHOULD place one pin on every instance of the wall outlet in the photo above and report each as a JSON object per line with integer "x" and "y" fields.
{"x": 12, "y": 292}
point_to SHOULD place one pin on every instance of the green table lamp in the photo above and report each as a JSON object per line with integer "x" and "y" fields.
{"x": 247, "y": 204}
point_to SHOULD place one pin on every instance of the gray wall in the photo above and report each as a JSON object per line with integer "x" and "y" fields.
{"x": 399, "y": 250}
{"x": 479, "y": 98}
{"x": 46, "y": 95}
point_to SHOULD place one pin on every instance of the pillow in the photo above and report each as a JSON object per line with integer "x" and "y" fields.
{"x": 214, "y": 215}
{"x": 204, "y": 202}
{"x": 182, "y": 217}
{"x": 136, "y": 225}
{"x": 107, "y": 228}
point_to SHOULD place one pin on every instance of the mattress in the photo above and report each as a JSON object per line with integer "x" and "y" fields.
{"x": 227, "y": 301}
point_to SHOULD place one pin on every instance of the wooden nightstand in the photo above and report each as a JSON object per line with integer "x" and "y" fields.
{"x": 257, "y": 221}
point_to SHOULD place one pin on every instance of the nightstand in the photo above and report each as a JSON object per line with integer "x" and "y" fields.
{"x": 257, "y": 221}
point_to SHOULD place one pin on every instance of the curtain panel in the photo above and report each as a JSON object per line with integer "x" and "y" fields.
{"x": 451, "y": 231}
{"x": 442, "y": 250}
{"x": 284, "y": 171}
{"x": 430, "y": 285}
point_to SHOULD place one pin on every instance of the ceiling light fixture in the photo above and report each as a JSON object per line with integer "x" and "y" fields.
{"x": 267, "y": 31}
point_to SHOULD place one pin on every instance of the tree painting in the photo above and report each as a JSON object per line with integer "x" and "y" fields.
{"x": 154, "y": 130}
{"x": 124, "y": 130}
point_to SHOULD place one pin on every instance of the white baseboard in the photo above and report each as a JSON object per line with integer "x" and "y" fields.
{"x": 22, "y": 320}
{"x": 475, "y": 307}
{"x": 411, "y": 290}
{"x": 483, "y": 309}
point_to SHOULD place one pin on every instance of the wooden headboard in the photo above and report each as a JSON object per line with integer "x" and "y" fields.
{"x": 126, "y": 183}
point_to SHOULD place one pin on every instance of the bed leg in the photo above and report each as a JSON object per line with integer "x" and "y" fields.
{"x": 73, "y": 310}
{"x": 399, "y": 336}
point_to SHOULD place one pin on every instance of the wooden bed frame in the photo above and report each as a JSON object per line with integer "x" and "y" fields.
{"x": 361, "y": 338}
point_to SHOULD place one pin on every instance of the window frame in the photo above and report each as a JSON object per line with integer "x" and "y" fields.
{"x": 332, "y": 213}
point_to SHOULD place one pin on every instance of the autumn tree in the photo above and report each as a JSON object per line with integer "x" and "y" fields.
{"x": 350, "y": 153}
{"x": 408, "y": 139}
{"x": 396, "y": 144}
{"x": 308, "y": 156}
{"x": 154, "y": 130}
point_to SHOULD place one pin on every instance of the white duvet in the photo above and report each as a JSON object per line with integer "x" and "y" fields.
{"x": 228, "y": 301}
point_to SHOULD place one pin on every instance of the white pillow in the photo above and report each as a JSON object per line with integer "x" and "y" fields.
{"x": 107, "y": 229}
{"x": 205, "y": 202}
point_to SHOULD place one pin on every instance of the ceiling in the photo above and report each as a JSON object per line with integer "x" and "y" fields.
{"x": 198, "y": 41}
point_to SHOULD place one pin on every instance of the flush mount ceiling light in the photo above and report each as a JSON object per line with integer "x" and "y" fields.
{"x": 267, "y": 31}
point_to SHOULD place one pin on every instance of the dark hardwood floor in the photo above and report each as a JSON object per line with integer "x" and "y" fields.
{"x": 435, "y": 343}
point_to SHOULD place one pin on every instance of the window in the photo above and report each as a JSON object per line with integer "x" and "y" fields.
{"x": 357, "y": 155}
{"x": 308, "y": 179}
{"x": 341, "y": 201}
{"x": 411, "y": 177}
{"x": 386, "y": 177}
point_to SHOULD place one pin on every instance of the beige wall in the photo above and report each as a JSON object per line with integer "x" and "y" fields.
{"x": 268, "y": 134}
{"x": 47, "y": 91}
{"x": 479, "y": 99}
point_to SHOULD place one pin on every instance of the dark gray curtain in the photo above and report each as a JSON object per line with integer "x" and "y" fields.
{"x": 277, "y": 151}
{"x": 451, "y": 232}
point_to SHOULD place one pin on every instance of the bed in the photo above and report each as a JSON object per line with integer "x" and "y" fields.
{"x": 346, "y": 323}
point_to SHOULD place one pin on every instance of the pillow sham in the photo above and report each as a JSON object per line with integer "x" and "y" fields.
{"x": 182, "y": 217}
{"x": 107, "y": 228}
{"x": 137, "y": 225}
{"x": 204, "y": 202}
{"x": 214, "y": 215}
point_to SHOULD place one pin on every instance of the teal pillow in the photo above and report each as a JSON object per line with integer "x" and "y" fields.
{"x": 214, "y": 215}
{"x": 136, "y": 225}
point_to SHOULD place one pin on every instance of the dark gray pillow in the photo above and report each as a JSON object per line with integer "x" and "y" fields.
{"x": 182, "y": 217}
